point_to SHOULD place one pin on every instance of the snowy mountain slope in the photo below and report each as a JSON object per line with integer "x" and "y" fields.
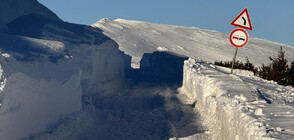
{"x": 11, "y": 9}
{"x": 242, "y": 106}
{"x": 136, "y": 38}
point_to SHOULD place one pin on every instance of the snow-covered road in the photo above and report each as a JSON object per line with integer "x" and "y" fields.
{"x": 141, "y": 112}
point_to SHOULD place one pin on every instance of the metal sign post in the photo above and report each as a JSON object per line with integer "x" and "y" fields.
{"x": 234, "y": 59}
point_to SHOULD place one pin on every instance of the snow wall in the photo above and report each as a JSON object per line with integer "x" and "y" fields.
{"x": 35, "y": 95}
{"x": 108, "y": 69}
{"x": 220, "y": 109}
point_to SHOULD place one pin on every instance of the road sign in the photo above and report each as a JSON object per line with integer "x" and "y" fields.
{"x": 243, "y": 20}
{"x": 239, "y": 38}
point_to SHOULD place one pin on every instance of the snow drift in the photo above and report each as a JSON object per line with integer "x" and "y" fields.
{"x": 223, "y": 115}
{"x": 240, "y": 106}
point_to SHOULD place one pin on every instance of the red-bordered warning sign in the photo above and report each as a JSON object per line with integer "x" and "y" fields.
{"x": 239, "y": 38}
{"x": 243, "y": 20}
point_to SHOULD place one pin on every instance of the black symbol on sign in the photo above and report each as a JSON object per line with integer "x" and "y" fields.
{"x": 242, "y": 38}
{"x": 244, "y": 21}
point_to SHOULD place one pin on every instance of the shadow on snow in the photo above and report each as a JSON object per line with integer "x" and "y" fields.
{"x": 159, "y": 68}
{"x": 149, "y": 108}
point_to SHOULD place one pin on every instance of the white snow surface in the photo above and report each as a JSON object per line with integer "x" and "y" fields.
{"x": 53, "y": 46}
{"x": 240, "y": 106}
{"x": 136, "y": 38}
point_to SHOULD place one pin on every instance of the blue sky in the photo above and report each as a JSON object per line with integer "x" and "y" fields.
{"x": 271, "y": 19}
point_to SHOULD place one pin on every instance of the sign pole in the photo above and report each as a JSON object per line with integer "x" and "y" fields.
{"x": 234, "y": 59}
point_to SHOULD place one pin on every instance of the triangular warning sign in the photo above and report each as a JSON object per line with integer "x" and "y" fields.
{"x": 243, "y": 20}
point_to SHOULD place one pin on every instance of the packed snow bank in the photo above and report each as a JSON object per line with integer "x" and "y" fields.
{"x": 36, "y": 94}
{"x": 220, "y": 99}
{"x": 108, "y": 69}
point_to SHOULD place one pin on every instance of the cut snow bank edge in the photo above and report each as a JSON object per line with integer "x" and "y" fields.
{"x": 35, "y": 95}
{"x": 220, "y": 109}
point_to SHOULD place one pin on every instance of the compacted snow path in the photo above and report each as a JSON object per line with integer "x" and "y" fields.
{"x": 141, "y": 112}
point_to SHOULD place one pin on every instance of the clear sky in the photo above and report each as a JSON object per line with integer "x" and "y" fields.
{"x": 271, "y": 19}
